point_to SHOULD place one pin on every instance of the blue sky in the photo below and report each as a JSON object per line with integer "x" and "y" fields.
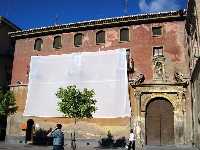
{"x": 28, "y": 14}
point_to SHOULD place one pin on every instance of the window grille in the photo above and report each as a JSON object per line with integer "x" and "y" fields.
{"x": 157, "y": 51}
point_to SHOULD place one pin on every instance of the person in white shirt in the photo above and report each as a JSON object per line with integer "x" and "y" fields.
{"x": 131, "y": 140}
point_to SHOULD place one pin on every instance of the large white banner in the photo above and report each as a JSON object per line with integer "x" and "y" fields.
{"x": 103, "y": 71}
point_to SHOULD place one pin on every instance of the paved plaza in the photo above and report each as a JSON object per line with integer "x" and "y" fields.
{"x": 4, "y": 146}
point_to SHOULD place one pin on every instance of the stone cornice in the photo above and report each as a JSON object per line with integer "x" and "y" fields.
{"x": 132, "y": 19}
{"x": 159, "y": 84}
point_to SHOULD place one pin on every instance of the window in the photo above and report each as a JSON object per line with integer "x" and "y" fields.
{"x": 157, "y": 31}
{"x": 78, "y": 39}
{"x": 124, "y": 34}
{"x": 38, "y": 44}
{"x": 57, "y": 42}
{"x": 158, "y": 51}
{"x": 100, "y": 37}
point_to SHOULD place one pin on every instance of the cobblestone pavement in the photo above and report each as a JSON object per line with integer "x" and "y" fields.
{"x": 33, "y": 147}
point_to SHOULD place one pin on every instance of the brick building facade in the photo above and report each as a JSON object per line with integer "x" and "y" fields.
{"x": 157, "y": 71}
{"x": 6, "y": 59}
{"x": 6, "y": 51}
{"x": 193, "y": 48}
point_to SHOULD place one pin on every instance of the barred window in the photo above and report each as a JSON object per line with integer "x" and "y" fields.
{"x": 157, "y": 31}
{"x": 78, "y": 39}
{"x": 100, "y": 37}
{"x": 158, "y": 51}
{"x": 38, "y": 44}
{"x": 57, "y": 42}
{"x": 124, "y": 34}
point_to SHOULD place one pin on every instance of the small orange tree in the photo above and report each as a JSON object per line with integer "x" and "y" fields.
{"x": 76, "y": 104}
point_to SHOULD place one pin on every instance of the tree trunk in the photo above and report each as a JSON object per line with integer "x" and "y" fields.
{"x": 75, "y": 120}
{"x": 73, "y": 136}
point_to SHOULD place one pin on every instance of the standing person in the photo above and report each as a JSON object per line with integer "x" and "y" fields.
{"x": 131, "y": 139}
{"x": 58, "y": 138}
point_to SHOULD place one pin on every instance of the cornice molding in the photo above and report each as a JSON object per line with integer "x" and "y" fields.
{"x": 139, "y": 18}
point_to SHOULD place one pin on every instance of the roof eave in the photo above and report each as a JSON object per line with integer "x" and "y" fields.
{"x": 100, "y": 22}
{"x": 6, "y": 21}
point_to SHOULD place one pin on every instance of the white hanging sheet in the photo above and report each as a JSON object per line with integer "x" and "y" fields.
{"x": 103, "y": 71}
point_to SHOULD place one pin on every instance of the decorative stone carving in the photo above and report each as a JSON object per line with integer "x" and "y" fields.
{"x": 179, "y": 77}
{"x": 138, "y": 79}
{"x": 159, "y": 69}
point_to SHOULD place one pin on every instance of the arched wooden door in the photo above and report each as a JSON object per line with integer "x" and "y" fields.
{"x": 159, "y": 123}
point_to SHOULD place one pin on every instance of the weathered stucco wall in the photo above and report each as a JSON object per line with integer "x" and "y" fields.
{"x": 141, "y": 43}
{"x": 88, "y": 128}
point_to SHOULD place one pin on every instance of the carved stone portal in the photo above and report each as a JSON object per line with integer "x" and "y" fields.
{"x": 174, "y": 95}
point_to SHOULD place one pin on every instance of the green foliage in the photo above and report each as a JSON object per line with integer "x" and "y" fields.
{"x": 110, "y": 142}
{"x": 7, "y": 103}
{"x": 40, "y": 138}
{"x": 75, "y": 103}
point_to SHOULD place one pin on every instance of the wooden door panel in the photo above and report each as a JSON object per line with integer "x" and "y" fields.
{"x": 167, "y": 131}
{"x": 159, "y": 123}
{"x": 167, "y": 123}
{"x": 153, "y": 132}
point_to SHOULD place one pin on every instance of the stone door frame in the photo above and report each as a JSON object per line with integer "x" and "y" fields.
{"x": 174, "y": 94}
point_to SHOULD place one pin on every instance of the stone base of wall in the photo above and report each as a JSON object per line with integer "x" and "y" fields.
{"x": 15, "y": 139}
{"x": 85, "y": 129}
